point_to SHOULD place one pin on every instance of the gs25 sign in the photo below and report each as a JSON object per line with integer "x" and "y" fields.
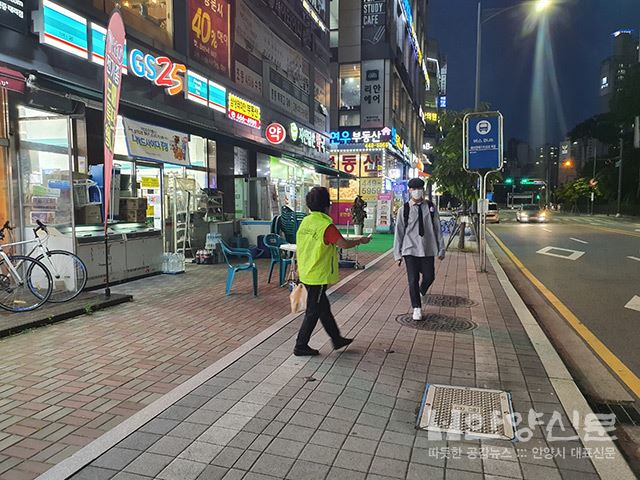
{"x": 162, "y": 71}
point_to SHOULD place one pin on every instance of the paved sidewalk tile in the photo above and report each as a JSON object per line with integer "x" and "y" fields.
{"x": 75, "y": 380}
{"x": 352, "y": 414}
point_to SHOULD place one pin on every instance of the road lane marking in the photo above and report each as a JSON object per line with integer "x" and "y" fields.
{"x": 614, "y": 230}
{"x": 546, "y": 229}
{"x": 577, "y": 240}
{"x": 608, "y": 357}
{"x": 573, "y": 254}
{"x": 633, "y": 304}
{"x": 634, "y": 258}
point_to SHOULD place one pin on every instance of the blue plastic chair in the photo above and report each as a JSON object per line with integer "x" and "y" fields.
{"x": 228, "y": 252}
{"x": 273, "y": 242}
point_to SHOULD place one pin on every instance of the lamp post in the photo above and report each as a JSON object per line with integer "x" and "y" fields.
{"x": 540, "y": 6}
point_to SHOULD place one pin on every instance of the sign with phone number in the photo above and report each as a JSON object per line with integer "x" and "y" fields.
{"x": 244, "y": 112}
{"x": 370, "y": 188}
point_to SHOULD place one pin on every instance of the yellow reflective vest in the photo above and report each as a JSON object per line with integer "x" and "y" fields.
{"x": 317, "y": 262}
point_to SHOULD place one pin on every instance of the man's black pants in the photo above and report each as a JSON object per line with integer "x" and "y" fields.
{"x": 317, "y": 308}
{"x": 415, "y": 267}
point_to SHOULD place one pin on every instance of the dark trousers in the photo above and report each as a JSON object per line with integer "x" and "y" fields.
{"x": 415, "y": 267}
{"x": 317, "y": 308}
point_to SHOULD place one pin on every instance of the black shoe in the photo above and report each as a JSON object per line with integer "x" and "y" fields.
{"x": 305, "y": 352}
{"x": 342, "y": 342}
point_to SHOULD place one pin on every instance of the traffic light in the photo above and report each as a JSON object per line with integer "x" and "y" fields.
{"x": 508, "y": 181}
{"x": 538, "y": 197}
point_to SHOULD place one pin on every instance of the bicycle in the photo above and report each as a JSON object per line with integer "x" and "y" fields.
{"x": 68, "y": 271}
{"x": 25, "y": 283}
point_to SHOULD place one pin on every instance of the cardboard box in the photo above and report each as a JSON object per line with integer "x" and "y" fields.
{"x": 133, "y": 204}
{"x": 89, "y": 215}
{"x": 137, "y": 216}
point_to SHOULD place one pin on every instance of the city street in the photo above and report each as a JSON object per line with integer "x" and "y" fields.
{"x": 592, "y": 264}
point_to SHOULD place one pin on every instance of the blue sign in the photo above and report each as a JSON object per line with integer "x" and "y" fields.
{"x": 197, "y": 88}
{"x": 484, "y": 138}
{"x": 98, "y": 36}
{"x": 442, "y": 102}
{"x": 217, "y": 97}
{"x": 64, "y": 29}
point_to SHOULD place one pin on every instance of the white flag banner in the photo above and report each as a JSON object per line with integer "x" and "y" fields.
{"x": 636, "y": 133}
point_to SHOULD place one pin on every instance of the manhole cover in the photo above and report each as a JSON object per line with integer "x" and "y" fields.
{"x": 436, "y": 322}
{"x": 467, "y": 411}
{"x": 449, "y": 301}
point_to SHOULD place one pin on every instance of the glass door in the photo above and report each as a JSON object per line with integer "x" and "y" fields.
{"x": 149, "y": 180}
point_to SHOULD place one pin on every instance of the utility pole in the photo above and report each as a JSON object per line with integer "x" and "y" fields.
{"x": 478, "y": 55}
{"x": 620, "y": 178}
{"x": 595, "y": 161}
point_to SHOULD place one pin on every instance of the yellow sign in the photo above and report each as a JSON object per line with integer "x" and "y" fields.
{"x": 150, "y": 210}
{"x": 244, "y": 112}
{"x": 150, "y": 182}
{"x": 431, "y": 117}
{"x": 349, "y": 194}
{"x": 370, "y": 188}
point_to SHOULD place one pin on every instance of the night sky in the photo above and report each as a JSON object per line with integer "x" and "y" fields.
{"x": 580, "y": 36}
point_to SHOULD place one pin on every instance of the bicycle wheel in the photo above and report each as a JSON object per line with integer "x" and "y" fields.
{"x": 69, "y": 274}
{"x": 25, "y": 285}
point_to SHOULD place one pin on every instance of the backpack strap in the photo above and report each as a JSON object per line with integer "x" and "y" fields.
{"x": 406, "y": 214}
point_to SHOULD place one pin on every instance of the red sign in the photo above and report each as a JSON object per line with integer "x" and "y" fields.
{"x": 210, "y": 36}
{"x": 113, "y": 59}
{"x": 11, "y": 80}
{"x": 275, "y": 133}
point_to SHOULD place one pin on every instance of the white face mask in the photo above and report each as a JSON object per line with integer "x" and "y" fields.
{"x": 417, "y": 194}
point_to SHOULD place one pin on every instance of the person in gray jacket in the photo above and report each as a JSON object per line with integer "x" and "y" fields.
{"x": 417, "y": 241}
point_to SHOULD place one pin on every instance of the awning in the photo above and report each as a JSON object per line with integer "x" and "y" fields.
{"x": 332, "y": 172}
{"x": 12, "y": 80}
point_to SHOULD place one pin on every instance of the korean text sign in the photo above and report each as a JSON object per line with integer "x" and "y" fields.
{"x": 210, "y": 35}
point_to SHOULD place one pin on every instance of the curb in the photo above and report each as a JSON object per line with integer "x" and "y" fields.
{"x": 99, "y": 302}
{"x": 569, "y": 395}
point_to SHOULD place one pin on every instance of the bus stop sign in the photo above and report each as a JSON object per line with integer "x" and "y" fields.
{"x": 483, "y": 143}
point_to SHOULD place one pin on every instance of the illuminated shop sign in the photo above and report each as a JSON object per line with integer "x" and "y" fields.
{"x": 431, "y": 117}
{"x": 217, "y": 97}
{"x": 62, "y": 29}
{"x": 275, "y": 133}
{"x": 309, "y": 138}
{"x": 413, "y": 38}
{"x": 98, "y": 35}
{"x": 162, "y": 71}
{"x": 197, "y": 88}
{"x": 363, "y": 136}
{"x": 244, "y": 112}
{"x": 442, "y": 102}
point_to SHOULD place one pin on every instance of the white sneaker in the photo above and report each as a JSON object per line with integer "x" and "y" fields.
{"x": 417, "y": 314}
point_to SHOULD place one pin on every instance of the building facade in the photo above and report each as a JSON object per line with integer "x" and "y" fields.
{"x": 231, "y": 96}
{"x": 626, "y": 52}
{"x": 380, "y": 79}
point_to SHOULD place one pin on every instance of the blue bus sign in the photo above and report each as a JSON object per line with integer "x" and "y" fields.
{"x": 483, "y": 141}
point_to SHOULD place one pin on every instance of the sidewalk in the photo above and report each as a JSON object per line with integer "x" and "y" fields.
{"x": 64, "y": 385}
{"x": 263, "y": 414}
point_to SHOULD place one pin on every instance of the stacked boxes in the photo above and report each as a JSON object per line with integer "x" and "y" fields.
{"x": 133, "y": 210}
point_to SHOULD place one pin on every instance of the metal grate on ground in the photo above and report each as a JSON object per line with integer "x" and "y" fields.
{"x": 449, "y": 301}
{"x": 475, "y": 412}
{"x": 437, "y": 322}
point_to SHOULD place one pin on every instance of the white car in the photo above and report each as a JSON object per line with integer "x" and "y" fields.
{"x": 532, "y": 213}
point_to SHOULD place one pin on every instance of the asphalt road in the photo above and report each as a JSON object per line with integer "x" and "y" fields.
{"x": 594, "y": 276}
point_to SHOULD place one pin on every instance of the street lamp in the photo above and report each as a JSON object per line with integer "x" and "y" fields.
{"x": 540, "y": 6}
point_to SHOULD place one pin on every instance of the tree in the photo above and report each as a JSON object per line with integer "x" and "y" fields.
{"x": 571, "y": 193}
{"x": 448, "y": 171}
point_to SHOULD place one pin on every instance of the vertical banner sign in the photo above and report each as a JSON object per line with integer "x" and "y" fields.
{"x": 372, "y": 94}
{"x": 374, "y": 26}
{"x": 113, "y": 59}
{"x": 210, "y": 36}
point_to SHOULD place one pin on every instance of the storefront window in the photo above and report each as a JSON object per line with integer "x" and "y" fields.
{"x": 45, "y": 168}
{"x": 197, "y": 151}
{"x": 151, "y": 17}
{"x": 149, "y": 180}
{"x": 350, "y": 86}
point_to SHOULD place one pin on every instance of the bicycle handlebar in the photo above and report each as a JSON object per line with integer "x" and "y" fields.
{"x": 41, "y": 226}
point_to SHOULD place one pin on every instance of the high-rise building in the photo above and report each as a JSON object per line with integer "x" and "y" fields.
{"x": 625, "y": 53}
{"x": 547, "y": 164}
{"x": 380, "y": 73}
